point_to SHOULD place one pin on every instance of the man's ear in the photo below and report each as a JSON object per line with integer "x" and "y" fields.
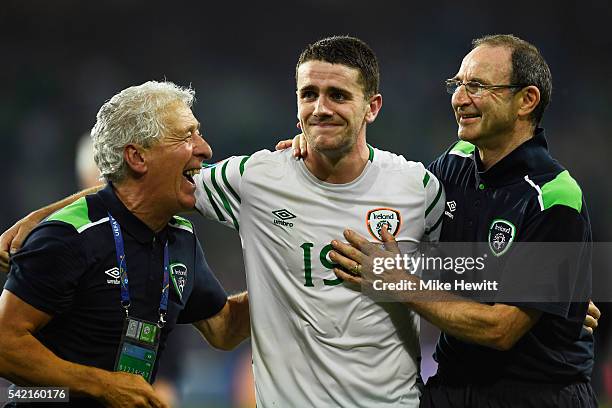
{"x": 374, "y": 106}
{"x": 135, "y": 159}
{"x": 529, "y": 100}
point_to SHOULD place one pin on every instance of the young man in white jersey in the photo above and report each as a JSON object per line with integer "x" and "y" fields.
{"x": 317, "y": 342}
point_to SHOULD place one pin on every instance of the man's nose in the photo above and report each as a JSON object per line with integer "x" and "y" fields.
{"x": 461, "y": 97}
{"x": 322, "y": 108}
{"x": 201, "y": 148}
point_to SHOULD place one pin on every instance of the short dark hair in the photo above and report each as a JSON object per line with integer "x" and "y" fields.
{"x": 528, "y": 67}
{"x": 349, "y": 51}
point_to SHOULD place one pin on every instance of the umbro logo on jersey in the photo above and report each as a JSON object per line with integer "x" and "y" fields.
{"x": 378, "y": 218}
{"x": 452, "y": 206}
{"x": 284, "y": 215}
{"x": 113, "y": 273}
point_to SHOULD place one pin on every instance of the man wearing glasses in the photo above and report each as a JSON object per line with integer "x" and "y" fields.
{"x": 502, "y": 186}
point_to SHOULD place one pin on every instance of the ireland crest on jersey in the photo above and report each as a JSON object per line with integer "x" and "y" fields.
{"x": 501, "y": 235}
{"x": 381, "y": 217}
{"x": 178, "y": 272}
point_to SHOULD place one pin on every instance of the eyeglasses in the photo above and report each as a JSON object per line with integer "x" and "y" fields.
{"x": 475, "y": 88}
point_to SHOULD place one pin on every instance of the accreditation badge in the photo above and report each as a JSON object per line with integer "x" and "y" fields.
{"x": 138, "y": 348}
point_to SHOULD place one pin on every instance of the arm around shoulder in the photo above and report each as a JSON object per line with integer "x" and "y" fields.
{"x": 497, "y": 326}
{"x": 230, "y": 326}
{"x": 12, "y": 239}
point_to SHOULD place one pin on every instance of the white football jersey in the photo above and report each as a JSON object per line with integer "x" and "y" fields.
{"x": 316, "y": 342}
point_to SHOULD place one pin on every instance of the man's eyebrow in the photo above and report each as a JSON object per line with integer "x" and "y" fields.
{"x": 479, "y": 80}
{"x": 474, "y": 79}
{"x": 341, "y": 90}
{"x": 195, "y": 126}
{"x": 308, "y": 88}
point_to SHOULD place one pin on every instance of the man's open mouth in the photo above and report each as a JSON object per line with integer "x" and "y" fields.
{"x": 189, "y": 174}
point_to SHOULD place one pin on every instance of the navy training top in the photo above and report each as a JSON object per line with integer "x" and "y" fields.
{"x": 68, "y": 269}
{"x": 526, "y": 197}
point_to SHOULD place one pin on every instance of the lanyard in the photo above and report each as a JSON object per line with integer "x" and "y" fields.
{"x": 125, "y": 289}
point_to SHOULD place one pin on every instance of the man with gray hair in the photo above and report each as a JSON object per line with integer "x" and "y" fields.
{"x": 72, "y": 301}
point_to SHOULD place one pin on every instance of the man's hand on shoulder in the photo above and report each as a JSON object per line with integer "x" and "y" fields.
{"x": 298, "y": 144}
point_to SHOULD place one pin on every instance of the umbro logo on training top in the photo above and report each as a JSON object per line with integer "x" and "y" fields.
{"x": 284, "y": 215}
{"x": 113, "y": 273}
{"x": 452, "y": 206}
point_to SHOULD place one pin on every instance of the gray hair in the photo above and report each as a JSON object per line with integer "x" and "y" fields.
{"x": 134, "y": 115}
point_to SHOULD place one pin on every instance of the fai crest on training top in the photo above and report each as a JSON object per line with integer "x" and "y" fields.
{"x": 501, "y": 235}
{"x": 178, "y": 272}
{"x": 380, "y": 217}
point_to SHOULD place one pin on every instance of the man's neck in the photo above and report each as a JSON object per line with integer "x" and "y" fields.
{"x": 338, "y": 168}
{"x": 492, "y": 153}
{"x": 139, "y": 203}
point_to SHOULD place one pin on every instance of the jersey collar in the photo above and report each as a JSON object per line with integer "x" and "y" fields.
{"x": 523, "y": 160}
{"x": 128, "y": 221}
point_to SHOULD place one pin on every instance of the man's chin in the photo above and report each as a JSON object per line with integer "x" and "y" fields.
{"x": 187, "y": 203}
{"x": 467, "y": 135}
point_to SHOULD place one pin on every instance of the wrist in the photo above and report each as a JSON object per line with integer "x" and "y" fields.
{"x": 40, "y": 214}
{"x": 91, "y": 382}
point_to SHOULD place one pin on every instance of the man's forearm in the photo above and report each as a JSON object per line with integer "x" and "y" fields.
{"x": 497, "y": 326}
{"x": 240, "y": 320}
{"x": 26, "y": 361}
{"x": 228, "y": 328}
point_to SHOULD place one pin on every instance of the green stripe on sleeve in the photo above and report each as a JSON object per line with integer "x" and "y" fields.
{"x": 562, "y": 190}
{"x": 426, "y": 178}
{"x": 436, "y": 225}
{"x": 214, "y": 205}
{"x": 435, "y": 201}
{"x": 75, "y": 214}
{"x": 227, "y": 184}
{"x": 242, "y": 164}
{"x": 226, "y": 203}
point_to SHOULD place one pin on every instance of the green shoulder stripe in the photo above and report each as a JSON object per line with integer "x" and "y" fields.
{"x": 463, "y": 148}
{"x": 244, "y": 160}
{"x": 183, "y": 222}
{"x": 227, "y": 184}
{"x": 213, "y": 204}
{"x": 371, "y": 154}
{"x": 562, "y": 190}
{"x": 75, "y": 214}
{"x": 224, "y": 200}
{"x": 426, "y": 178}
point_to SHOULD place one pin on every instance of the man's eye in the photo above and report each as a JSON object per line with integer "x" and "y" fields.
{"x": 337, "y": 96}
{"x": 308, "y": 95}
{"x": 473, "y": 86}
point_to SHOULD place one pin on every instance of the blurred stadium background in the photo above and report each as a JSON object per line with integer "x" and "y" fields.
{"x": 61, "y": 60}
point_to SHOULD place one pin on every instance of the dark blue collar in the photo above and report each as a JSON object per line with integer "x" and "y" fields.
{"x": 130, "y": 224}
{"x": 530, "y": 157}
